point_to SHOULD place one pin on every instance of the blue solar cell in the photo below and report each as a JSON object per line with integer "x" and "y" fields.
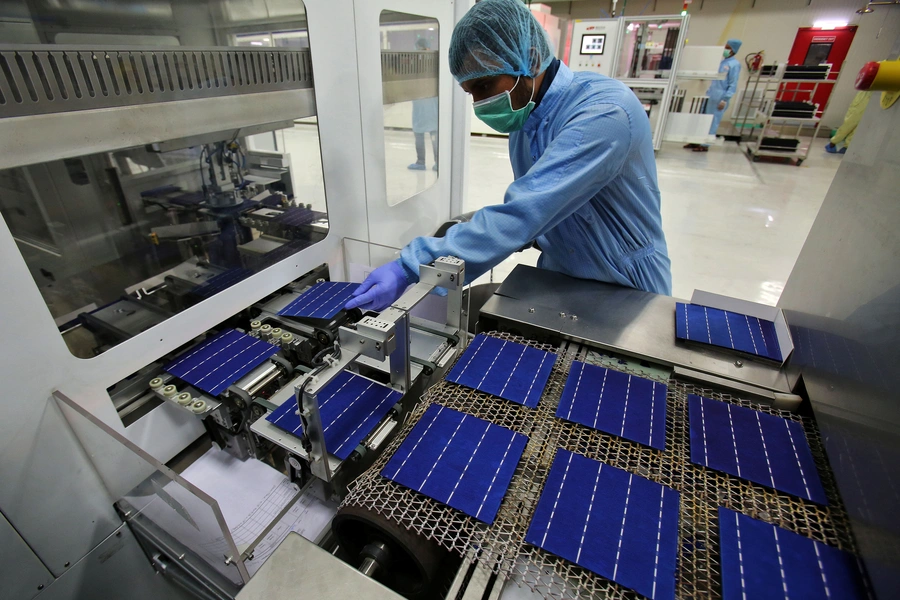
{"x": 322, "y": 301}
{"x": 460, "y": 460}
{"x": 221, "y": 360}
{"x": 760, "y": 560}
{"x": 755, "y": 446}
{"x": 502, "y": 368}
{"x": 294, "y": 217}
{"x": 222, "y": 281}
{"x": 624, "y": 405}
{"x": 614, "y": 523}
{"x": 727, "y": 330}
{"x": 350, "y": 407}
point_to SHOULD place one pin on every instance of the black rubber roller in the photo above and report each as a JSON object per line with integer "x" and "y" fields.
{"x": 413, "y": 561}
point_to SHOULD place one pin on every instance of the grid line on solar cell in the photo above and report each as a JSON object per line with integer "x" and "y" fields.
{"x": 216, "y": 363}
{"x": 437, "y": 459}
{"x": 503, "y": 368}
{"x": 725, "y": 437}
{"x": 350, "y": 406}
{"x": 222, "y": 281}
{"x": 726, "y": 329}
{"x": 761, "y": 560}
{"x": 628, "y": 532}
{"x": 607, "y": 409}
{"x": 294, "y": 217}
{"x": 321, "y": 301}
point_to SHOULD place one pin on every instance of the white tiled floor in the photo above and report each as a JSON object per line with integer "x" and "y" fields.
{"x": 733, "y": 227}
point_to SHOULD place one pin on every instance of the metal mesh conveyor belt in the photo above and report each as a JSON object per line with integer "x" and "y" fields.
{"x": 501, "y": 546}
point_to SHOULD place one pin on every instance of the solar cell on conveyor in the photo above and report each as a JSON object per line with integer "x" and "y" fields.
{"x": 350, "y": 407}
{"x": 762, "y": 561}
{"x": 505, "y": 369}
{"x": 321, "y": 301}
{"x": 726, "y": 329}
{"x": 611, "y": 522}
{"x": 630, "y": 407}
{"x": 188, "y": 198}
{"x": 222, "y": 281}
{"x": 294, "y": 217}
{"x": 460, "y": 460}
{"x": 216, "y": 363}
{"x": 755, "y": 446}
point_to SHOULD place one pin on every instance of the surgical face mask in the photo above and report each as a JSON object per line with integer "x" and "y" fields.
{"x": 498, "y": 114}
{"x": 727, "y": 53}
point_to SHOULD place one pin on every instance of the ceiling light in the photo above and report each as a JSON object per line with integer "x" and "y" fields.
{"x": 829, "y": 24}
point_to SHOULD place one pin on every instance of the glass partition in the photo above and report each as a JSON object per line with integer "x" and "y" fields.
{"x": 409, "y": 70}
{"x": 648, "y": 48}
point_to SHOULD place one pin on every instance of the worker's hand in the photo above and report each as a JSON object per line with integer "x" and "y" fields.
{"x": 722, "y": 104}
{"x": 381, "y": 288}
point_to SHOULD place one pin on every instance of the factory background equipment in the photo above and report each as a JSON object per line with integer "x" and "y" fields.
{"x": 174, "y": 258}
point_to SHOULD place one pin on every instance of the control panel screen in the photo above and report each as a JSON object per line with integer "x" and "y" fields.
{"x": 593, "y": 43}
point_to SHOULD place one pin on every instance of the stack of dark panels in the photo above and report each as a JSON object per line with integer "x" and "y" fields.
{"x": 794, "y": 110}
{"x": 779, "y": 144}
{"x": 804, "y": 72}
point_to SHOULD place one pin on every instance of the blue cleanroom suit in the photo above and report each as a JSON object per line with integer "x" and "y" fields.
{"x": 723, "y": 89}
{"x": 585, "y": 189}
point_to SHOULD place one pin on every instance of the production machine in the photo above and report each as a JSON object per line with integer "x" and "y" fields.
{"x": 191, "y": 193}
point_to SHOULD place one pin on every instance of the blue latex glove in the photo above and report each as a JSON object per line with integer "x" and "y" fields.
{"x": 381, "y": 288}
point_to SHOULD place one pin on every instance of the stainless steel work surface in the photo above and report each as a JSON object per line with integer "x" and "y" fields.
{"x": 300, "y": 568}
{"x": 619, "y": 319}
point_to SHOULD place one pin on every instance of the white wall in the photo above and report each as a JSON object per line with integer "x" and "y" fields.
{"x": 770, "y": 25}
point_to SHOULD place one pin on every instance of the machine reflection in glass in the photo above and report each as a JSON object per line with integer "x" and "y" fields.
{"x": 120, "y": 241}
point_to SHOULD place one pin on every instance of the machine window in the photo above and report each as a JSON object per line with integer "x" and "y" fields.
{"x": 119, "y": 241}
{"x": 409, "y": 70}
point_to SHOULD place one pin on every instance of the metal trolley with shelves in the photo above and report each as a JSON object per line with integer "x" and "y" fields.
{"x": 777, "y": 101}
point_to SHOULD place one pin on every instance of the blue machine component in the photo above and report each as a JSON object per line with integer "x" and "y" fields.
{"x": 350, "y": 407}
{"x": 618, "y": 403}
{"x": 460, "y": 460}
{"x": 727, "y": 330}
{"x": 614, "y": 523}
{"x": 220, "y": 282}
{"x": 322, "y": 301}
{"x": 763, "y": 561}
{"x": 755, "y": 446}
{"x": 295, "y": 216}
{"x": 218, "y": 362}
{"x": 505, "y": 369}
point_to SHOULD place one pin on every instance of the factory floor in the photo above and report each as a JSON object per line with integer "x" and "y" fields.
{"x": 733, "y": 227}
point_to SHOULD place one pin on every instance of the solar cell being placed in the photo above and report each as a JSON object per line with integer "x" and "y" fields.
{"x": 502, "y": 368}
{"x": 460, "y": 460}
{"x": 350, "y": 407}
{"x": 755, "y": 446}
{"x": 616, "y": 524}
{"x": 294, "y": 217}
{"x": 321, "y": 301}
{"x": 221, "y": 360}
{"x": 727, "y": 330}
{"x": 760, "y": 560}
{"x": 618, "y": 403}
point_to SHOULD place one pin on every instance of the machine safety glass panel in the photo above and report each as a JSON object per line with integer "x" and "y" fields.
{"x": 410, "y": 63}
{"x": 759, "y": 447}
{"x": 648, "y": 48}
{"x": 463, "y": 461}
{"x": 761, "y": 560}
{"x": 624, "y": 405}
{"x": 612, "y": 522}
{"x": 119, "y": 241}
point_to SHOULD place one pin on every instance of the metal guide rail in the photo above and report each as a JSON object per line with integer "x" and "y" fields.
{"x": 49, "y": 78}
{"x": 500, "y": 547}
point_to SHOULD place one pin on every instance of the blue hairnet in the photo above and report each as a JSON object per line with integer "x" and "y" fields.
{"x": 498, "y": 37}
{"x": 735, "y": 45}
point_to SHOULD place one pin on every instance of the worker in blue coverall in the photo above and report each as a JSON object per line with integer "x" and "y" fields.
{"x": 721, "y": 90}
{"x": 585, "y": 184}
